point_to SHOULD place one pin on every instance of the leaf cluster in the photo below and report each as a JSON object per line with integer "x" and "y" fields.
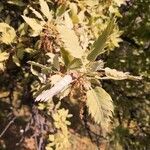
{"x": 58, "y": 46}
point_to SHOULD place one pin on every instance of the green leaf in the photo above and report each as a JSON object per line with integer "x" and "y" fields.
{"x": 22, "y": 29}
{"x": 76, "y": 63}
{"x": 71, "y": 42}
{"x": 41, "y": 76}
{"x": 20, "y": 51}
{"x": 100, "y": 43}
{"x": 95, "y": 81}
{"x": 100, "y": 105}
{"x": 16, "y": 60}
{"x": 1, "y": 7}
{"x": 60, "y": 10}
{"x": 56, "y": 62}
{"x": 45, "y": 9}
{"x": 73, "y": 12}
{"x": 67, "y": 58}
{"x": 8, "y": 33}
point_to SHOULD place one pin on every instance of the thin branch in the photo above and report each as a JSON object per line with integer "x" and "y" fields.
{"x": 8, "y": 125}
{"x": 36, "y": 142}
{"x": 131, "y": 41}
{"x": 42, "y": 131}
{"x": 40, "y": 143}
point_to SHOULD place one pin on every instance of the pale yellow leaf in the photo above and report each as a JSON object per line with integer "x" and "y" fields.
{"x": 3, "y": 56}
{"x": 100, "y": 105}
{"x": 119, "y": 2}
{"x": 71, "y": 42}
{"x": 37, "y": 13}
{"x": 16, "y": 2}
{"x": 2, "y": 67}
{"x": 45, "y": 9}
{"x": 68, "y": 21}
{"x": 34, "y": 24}
{"x": 91, "y": 3}
{"x": 114, "y": 74}
{"x": 8, "y": 33}
{"x": 74, "y": 8}
{"x": 119, "y": 75}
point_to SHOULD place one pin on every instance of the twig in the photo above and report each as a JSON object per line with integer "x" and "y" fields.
{"x": 41, "y": 130}
{"x": 36, "y": 142}
{"x": 40, "y": 143}
{"x": 8, "y": 125}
